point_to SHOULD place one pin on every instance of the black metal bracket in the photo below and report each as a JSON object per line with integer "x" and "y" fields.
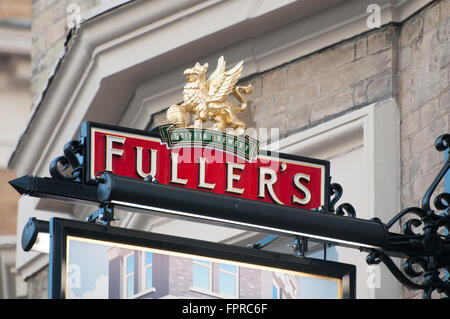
{"x": 69, "y": 166}
{"x": 336, "y": 191}
{"x": 263, "y": 242}
{"x": 299, "y": 245}
{"x": 428, "y": 251}
{"x": 105, "y": 214}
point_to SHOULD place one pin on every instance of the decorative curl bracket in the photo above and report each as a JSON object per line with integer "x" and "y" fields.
{"x": 344, "y": 209}
{"x": 69, "y": 166}
{"x": 428, "y": 251}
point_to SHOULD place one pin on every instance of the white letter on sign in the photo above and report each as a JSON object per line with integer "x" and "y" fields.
{"x": 110, "y": 151}
{"x": 201, "y": 175}
{"x": 174, "y": 173}
{"x": 233, "y": 177}
{"x": 139, "y": 169}
{"x": 267, "y": 183}
{"x": 303, "y": 188}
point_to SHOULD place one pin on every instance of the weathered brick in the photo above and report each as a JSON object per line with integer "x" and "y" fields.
{"x": 299, "y": 117}
{"x": 445, "y": 9}
{"x": 333, "y": 57}
{"x": 423, "y": 182}
{"x": 307, "y": 93}
{"x": 406, "y": 148}
{"x": 299, "y": 72}
{"x": 408, "y": 102}
{"x": 274, "y": 81}
{"x": 361, "y": 48}
{"x": 360, "y": 93}
{"x": 59, "y": 9}
{"x": 432, "y": 87}
{"x": 298, "y": 113}
{"x": 422, "y": 69}
{"x": 444, "y": 103}
{"x": 429, "y": 112}
{"x": 368, "y": 67}
{"x": 380, "y": 41}
{"x": 331, "y": 82}
{"x": 41, "y": 22}
{"x": 37, "y": 7}
{"x": 272, "y": 113}
{"x": 443, "y": 32}
{"x": 405, "y": 58}
{"x": 420, "y": 141}
{"x": 430, "y": 159}
{"x": 426, "y": 137}
{"x": 407, "y": 198}
{"x": 379, "y": 87}
{"x": 431, "y": 17}
{"x": 411, "y": 123}
{"x": 412, "y": 170}
{"x": 55, "y": 33}
{"x": 444, "y": 55}
{"x": 332, "y": 105}
{"x": 411, "y": 30}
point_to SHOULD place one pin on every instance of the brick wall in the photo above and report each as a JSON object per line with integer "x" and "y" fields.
{"x": 49, "y": 29}
{"x": 424, "y": 68}
{"x": 328, "y": 83}
{"x": 323, "y": 85}
{"x": 424, "y": 97}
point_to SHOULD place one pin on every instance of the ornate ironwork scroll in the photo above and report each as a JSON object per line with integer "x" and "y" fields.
{"x": 344, "y": 209}
{"x": 428, "y": 250}
{"x": 69, "y": 166}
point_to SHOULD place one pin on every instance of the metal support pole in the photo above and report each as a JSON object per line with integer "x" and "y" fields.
{"x": 131, "y": 193}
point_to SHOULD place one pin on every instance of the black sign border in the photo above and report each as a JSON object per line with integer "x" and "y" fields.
{"x": 61, "y": 228}
{"x": 85, "y": 138}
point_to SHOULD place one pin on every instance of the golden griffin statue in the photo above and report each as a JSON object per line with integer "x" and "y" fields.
{"x": 207, "y": 100}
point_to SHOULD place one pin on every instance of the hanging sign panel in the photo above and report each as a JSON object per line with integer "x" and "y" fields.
{"x": 206, "y": 160}
{"x": 91, "y": 261}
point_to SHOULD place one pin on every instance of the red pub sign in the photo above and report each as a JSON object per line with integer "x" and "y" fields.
{"x": 206, "y": 160}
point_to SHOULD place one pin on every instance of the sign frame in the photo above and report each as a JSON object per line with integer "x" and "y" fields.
{"x": 61, "y": 228}
{"x": 86, "y": 139}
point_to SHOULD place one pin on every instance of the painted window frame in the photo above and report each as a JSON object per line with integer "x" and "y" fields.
{"x": 126, "y": 275}
{"x": 144, "y": 268}
{"x": 209, "y": 266}
{"x": 236, "y": 280}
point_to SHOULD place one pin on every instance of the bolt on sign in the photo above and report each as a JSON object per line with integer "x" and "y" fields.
{"x": 210, "y": 160}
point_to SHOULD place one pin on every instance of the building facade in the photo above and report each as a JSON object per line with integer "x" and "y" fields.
{"x": 148, "y": 275}
{"x": 363, "y": 84}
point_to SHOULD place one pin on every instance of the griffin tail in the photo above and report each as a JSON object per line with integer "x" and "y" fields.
{"x": 237, "y": 93}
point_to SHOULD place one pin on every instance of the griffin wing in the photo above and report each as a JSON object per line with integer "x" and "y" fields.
{"x": 221, "y": 83}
